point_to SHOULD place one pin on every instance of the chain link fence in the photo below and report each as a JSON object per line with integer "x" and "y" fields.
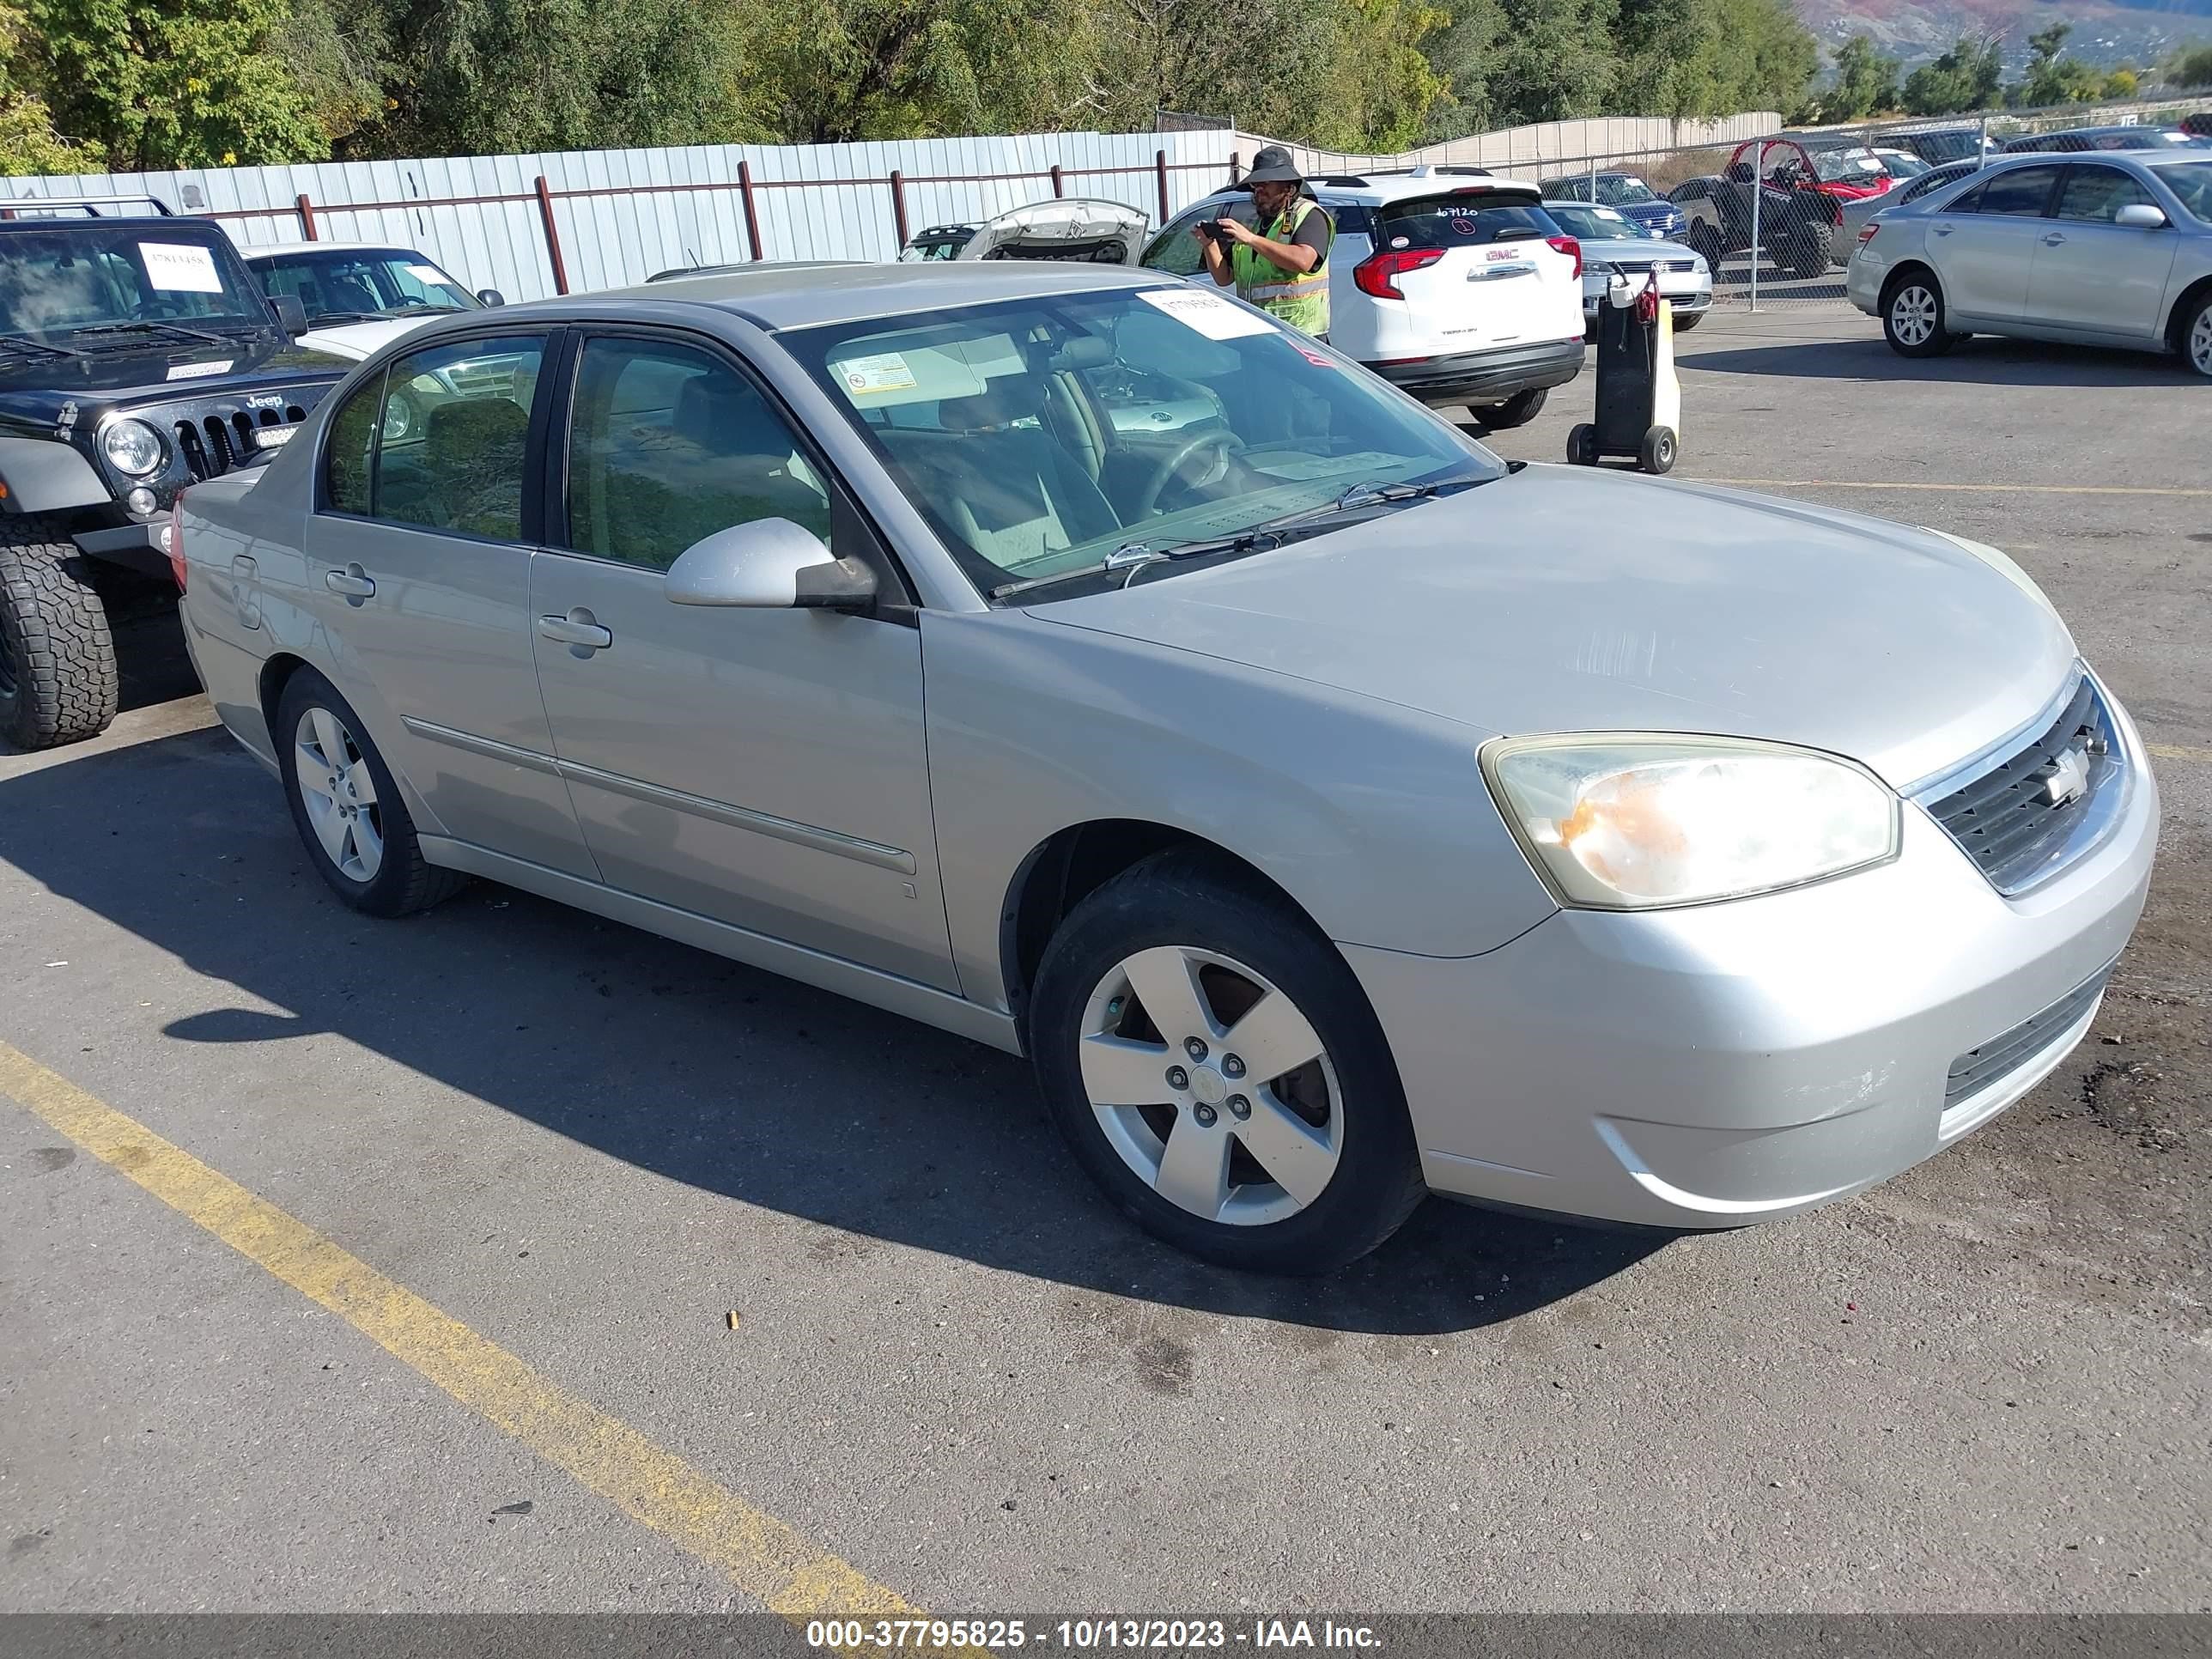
{"x": 1775, "y": 217}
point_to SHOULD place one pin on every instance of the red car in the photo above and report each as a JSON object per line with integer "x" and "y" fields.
{"x": 1845, "y": 173}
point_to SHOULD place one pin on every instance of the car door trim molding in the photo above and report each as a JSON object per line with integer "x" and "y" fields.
{"x": 742, "y": 817}
{"x": 489, "y": 747}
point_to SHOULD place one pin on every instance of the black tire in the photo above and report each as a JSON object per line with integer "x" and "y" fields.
{"x": 57, "y": 678}
{"x": 1809, "y": 256}
{"x": 1519, "y": 410}
{"x": 1181, "y": 898}
{"x": 1705, "y": 241}
{"x": 1685, "y": 322}
{"x": 1897, "y": 297}
{"x": 1582, "y": 446}
{"x": 2192, "y": 336}
{"x": 403, "y": 881}
{"x": 1657, "y": 454}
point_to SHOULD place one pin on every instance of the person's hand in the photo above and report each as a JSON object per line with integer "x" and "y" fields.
{"x": 1237, "y": 232}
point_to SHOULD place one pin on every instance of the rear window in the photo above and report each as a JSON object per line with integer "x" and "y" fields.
{"x": 1453, "y": 222}
{"x": 1350, "y": 218}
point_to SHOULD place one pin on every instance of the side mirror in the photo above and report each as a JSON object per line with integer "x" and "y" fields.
{"x": 768, "y": 564}
{"x": 491, "y": 296}
{"x": 2140, "y": 215}
{"x": 291, "y": 315}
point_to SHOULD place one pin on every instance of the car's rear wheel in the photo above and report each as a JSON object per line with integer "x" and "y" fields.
{"x": 347, "y": 806}
{"x": 2196, "y": 336}
{"x": 57, "y": 676}
{"x": 1214, "y": 1064}
{"x": 1912, "y": 316}
{"x": 1519, "y": 410}
{"x": 1684, "y": 321}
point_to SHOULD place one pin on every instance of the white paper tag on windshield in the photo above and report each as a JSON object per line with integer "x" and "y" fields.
{"x": 197, "y": 371}
{"x": 428, "y": 275}
{"x": 886, "y": 372}
{"x": 181, "y": 268}
{"x": 1212, "y": 316}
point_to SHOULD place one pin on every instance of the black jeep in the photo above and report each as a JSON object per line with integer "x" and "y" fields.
{"x": 137, "y": 355}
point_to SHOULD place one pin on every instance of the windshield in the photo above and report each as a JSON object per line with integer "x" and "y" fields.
{"x": 364, "y": 284}
{"x": 1898, "y": 165}
{"x": 1947, "y": 146}
{"x": 1619, "y": 191}
{"x": 938, "y": 246}
{"x": 1595, "y": 224}
{"x": 2192, "y": 182}
{"x": 1856, "y": 166}
{"x": 53, "y": 282}
{"x": 1041, "y": 436}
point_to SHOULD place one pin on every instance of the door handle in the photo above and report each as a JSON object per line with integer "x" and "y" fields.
{"x": 2053, "y": 240}
{"x": 1943, "y": 230}
{"x": 579, "y": 630}
{"x": 352, "y": 581}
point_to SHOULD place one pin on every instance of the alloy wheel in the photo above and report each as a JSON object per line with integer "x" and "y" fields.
{"x": 1212, "y": 1085}
{"x": 1912, "y": 315}
{"x": 339, "y": 794}
{"x": 2200, "y": 342}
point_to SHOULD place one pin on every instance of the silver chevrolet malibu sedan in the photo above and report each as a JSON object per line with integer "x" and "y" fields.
{"x": 1332, "y": 812}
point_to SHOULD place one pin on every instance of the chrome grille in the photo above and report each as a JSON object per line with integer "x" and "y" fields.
{"x": 2006, "y": 1052}
{"x": 2032, "y": 810}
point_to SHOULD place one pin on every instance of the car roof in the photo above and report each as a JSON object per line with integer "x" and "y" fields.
{"x": 166, "y": 224}
{"x": 1376, "y": 189}
{"x": 275, "y": 250}
{"x": 794, "y": 295}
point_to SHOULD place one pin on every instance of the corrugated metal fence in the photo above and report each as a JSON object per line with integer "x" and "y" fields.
{"x": 535, "y": 225}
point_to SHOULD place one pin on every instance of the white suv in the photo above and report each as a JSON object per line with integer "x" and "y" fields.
{"x": 1456, "y": 286}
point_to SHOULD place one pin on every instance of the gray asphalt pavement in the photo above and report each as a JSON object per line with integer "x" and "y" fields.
{"x": 1981, "y": 1386}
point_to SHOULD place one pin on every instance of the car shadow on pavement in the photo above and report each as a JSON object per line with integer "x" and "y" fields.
{"x": 1983, "y": 361}
{"x": 698, "y": 1069}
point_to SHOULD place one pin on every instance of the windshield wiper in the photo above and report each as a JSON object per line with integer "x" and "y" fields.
{"x": 19, "y": 343}
{"x": 1134, "y": 557}
{"x": 109, "y": 330}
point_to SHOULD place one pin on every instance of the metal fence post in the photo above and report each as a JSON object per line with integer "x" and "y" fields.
{"x": 898, "y": 207}
{"x": 1236, "y": 165}
{"x": 306, "y": 211}
{"x": 1758, "y": 196}
{"x": 1058, "y": 189}
{"x": 1982, "y": 157}
{"x": 1160, "y": 171}
{"x": 552, "y": 235}
{"x": 752, "y": 214}
{"x": 1593, "y": 182}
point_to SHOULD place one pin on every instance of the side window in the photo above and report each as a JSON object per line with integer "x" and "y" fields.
{"x": 351, "y": 451}
{"x": 2096, "y": 194}
{"x": 2024, "y": 192}
{"x": 1970, "y": 202}
{"x": 1175, "y": 251}
{"x": 668, "y": 444}
{"x": 455, "y": 436}
{"x": 1350, "y": 218}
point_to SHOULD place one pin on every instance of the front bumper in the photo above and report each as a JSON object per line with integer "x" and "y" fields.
{"x": 143, "y": 547}
{"x": 1729, "y": 1063}
{"x": 1486, "y": 376}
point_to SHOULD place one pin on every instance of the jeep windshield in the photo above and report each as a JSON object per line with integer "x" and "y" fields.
{"x": 91, "y": 286}
{"x": 362, "y": 285}
{"x": 1076, "y": 435}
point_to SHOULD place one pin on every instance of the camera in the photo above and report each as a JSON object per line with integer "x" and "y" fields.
{"x": 1212, "y": 230}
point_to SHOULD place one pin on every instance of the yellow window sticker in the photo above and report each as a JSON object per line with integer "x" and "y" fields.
{"x": 872, "y": 376}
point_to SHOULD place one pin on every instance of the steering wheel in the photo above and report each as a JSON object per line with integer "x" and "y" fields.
{"x": 1148, "y": 499}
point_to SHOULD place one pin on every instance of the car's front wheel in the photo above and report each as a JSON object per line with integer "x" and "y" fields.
{"x": 1912, "y": 316}
{"x": 2196, "y": 336}
{"x": 57, "y": 674}
{"x": 347, "y": 805}
{"x": 1214, "y": 1065}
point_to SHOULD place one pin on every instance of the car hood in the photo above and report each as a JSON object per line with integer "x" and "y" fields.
{"x": 1566, "y": 599}
{"x": 355, "y": 341}
{"x": 35, "y": 390}
{"x": 1637, "y": 247}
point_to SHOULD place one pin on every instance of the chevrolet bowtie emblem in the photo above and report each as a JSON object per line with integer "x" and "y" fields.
{"x": 2069, "y": 777}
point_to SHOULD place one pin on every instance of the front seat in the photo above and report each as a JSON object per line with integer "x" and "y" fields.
{"x": 1011, "y": 491}
{"x": 745, "y": 454}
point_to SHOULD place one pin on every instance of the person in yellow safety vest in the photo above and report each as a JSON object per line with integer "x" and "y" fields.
{"x": 1283, "y": 266}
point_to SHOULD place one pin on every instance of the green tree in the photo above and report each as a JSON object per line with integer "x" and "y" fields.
{"x": 171, "y": 83}
{"x": 1866, "y": 81}
{"x": 2122, "y": 82}
{"x": 2190, "y": 65}
{"x": 1966, "y": 77}
{"x": 29, "y": 146}
{"x": 2052, "y": 77}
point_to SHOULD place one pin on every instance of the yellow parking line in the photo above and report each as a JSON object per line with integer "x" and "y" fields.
{"x": 2178, "y": 752}
{"x": 1986, "y": 489}
{"x": 761, "y": 1555}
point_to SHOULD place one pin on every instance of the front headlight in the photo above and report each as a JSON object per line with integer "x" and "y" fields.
{"x": 131, "y": 447}
{"x": 1628, "y": 821}
{"x": 2002, "y": 564}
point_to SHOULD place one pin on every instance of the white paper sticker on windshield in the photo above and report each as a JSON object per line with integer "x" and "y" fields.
{"x": 428, "y": 275}
{"x": 197, "y": 371}
{"x": 181, "y": 268}
{"x": 873, "y": 376}
{"x": 1213, "y": 317}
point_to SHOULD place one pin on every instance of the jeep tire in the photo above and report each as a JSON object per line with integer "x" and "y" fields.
{"x": 57, "y": 676}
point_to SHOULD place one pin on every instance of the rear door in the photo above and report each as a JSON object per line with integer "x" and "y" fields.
{"x": 1468, "y": 270}
{"x": 1983, "y": 246}
{"x": 2090, "y": 273}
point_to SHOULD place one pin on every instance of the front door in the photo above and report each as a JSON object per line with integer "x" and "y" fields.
{"x": 418, "y": 558}
{"x": 2091, "y": 273}
{"x": 766, "y": 768}
{"x": 1983, "y": 248}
